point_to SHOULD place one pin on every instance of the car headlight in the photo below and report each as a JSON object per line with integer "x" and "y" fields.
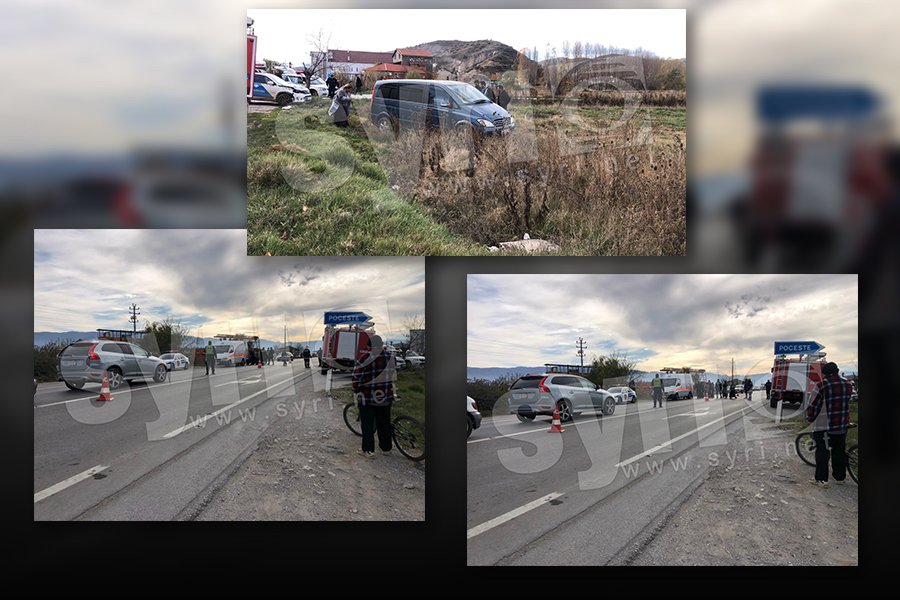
{"x": 485, "y": 123}
{"x": 512, "y": 120}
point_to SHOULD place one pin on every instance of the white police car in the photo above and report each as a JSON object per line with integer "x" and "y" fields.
{"x": 271, "y": 88}
{"x": 175, "y": 360}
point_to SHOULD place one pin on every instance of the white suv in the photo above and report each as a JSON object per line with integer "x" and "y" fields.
{"x": 534, "y": 395}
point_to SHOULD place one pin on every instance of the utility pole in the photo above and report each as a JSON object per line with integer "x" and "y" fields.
{"x": 135, "y": 310}
{"x": 732, "y": 369}
{"x": 580, "y": 345}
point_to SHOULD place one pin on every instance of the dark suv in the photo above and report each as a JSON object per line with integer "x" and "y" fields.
{"x": 87, "y": 361}
{"x": 412, "y": 104}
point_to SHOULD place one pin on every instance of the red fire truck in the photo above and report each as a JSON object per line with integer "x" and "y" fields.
{"x": 793, "y": 379}
{"x": 342, "y": 346}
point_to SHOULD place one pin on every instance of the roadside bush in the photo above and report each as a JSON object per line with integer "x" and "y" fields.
{"x": 45, "y": 360}
{"x": 486, "y": 392}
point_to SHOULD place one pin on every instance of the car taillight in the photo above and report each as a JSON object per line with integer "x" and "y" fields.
{"x": 91, "y": 355}
{"x": 542, "y": 387}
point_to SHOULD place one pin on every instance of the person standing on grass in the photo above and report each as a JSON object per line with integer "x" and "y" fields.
{"x": 332, "y": 85}
{"x": 359, "y": 84}
{"x": 830, "y": 426}
{"x": 657, "y": 391}
{"x": 210, "y": 356}
{"x": 340, "y": 107}
{"x": 373, "y": 388}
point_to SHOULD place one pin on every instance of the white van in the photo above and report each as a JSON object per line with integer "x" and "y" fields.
{"x": 232, "y": 353}
{"x": 677, "y": 385}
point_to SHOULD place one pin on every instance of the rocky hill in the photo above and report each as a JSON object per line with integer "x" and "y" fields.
{"x": 478, "y": 59}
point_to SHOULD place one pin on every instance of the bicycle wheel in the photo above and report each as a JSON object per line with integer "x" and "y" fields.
{"x": 351, "y": 418}
{"x": 409, "y": 437}
{"x": 806, "y": 448}
{"x": 853, "y": 462}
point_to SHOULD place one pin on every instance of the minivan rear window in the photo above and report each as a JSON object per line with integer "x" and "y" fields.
{"x": 79, "y": 349}
{"x": 526, "y": 382}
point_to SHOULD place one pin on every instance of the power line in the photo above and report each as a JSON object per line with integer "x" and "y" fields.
{"x": 581, "y": 346}
{"x": 135, "y": 310}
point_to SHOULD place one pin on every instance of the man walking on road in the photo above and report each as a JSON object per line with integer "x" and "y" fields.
{"x": 373, "y": 388}
{"x": 210, "y": 355}
{"x": 657, "y": 391}
{"x": 306, "y": 356}
{"x": 830, "y": 425}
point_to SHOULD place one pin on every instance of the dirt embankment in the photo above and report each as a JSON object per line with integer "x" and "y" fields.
{"x": 305, "y": 467}
{"x": 758, "y": 507}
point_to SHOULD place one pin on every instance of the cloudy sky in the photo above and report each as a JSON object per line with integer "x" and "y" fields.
{"x": 680, "y": 320}
{"x": 282, "y": 33}
{"x": 84, "y": 280}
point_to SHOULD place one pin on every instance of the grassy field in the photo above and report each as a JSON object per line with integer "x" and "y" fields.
{"x": 410, "y": 388}
{"x": 595, "y": 180}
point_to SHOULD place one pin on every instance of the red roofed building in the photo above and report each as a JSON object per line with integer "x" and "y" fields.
{"x": 392, "y": 71}
{"x": 413, "y": 57}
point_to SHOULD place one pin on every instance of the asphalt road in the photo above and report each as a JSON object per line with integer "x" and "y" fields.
{"x": 155, "y": 447}
{"x": 584, "y": 496}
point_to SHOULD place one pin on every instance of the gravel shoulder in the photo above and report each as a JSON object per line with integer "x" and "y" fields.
{"x": 305, "y": 467}
{"x": 758, "y": 507}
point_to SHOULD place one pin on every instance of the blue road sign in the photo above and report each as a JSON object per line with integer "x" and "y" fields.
{"x": 797, "y": 347}
{"x": 346, "y": 318}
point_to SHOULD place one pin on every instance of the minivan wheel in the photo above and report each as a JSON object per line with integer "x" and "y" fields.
{"x": 384, "y": 124}
{"x": 524, "y": 418}
{"x": 565, "y": 411}
{"x": 74, "y": 386}
{"x": 114, "y": 375}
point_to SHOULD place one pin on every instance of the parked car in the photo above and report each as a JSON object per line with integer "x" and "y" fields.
{"x": 271, "y": 88}
{"x": 415, "y": 359}
{"x": 411, "y": 104}
{"x": 87, "y": 361}
{"x": 175, "y": 360}
{"x": 533, "y": 395}
{"x": 399, "y": 362}
{"x": 623, "y": 394}
{"x": 473, "y": 417}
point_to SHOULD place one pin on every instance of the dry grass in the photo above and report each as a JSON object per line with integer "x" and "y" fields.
{"x": 612, "y": 193}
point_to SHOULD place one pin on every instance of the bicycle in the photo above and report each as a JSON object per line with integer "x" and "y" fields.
{"x": 407, "y": 433}
{"x": 806, "y": 450}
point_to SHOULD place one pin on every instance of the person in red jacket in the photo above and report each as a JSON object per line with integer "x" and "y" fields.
{"x": 830, "y": 426}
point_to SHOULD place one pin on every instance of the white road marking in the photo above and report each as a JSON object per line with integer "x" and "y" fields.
{"x": 479, "y": 440}
{"x": 193, "y": 424}
{"x": 516, "y": 512}
{"x": 68, "y": 482}
{"x": 675, "y": 439}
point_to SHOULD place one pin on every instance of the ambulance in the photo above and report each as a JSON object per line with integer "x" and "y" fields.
{"x": 236, "y": 350}
{"x": 677, "y": 385}
{"x": 793, "y": 379}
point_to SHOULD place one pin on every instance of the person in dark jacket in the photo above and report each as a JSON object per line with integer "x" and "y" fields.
{"x": 373, "y": 388}
{"x": 830, "y": 426}
{"x": 306, "y": 356}
{"x": 502, "y": 97}
{"x": 341, "y": 116}
{"x": 359, "y": 84}
{"x": 769, "y": 389}
{"x": 332, "y": 85}
{"x": 489, "y": 92}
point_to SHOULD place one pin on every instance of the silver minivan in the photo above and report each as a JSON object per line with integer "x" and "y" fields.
{"x": 534, "y": 395}
{"x": 86, "y": 361}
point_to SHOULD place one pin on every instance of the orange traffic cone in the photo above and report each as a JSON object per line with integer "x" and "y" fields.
{"x": 105, "y": 396}
{"x": 555, "y": 425}
{"x": 259, "y": 364}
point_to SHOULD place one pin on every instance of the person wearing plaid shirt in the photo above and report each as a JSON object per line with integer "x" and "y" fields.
{"x": 373, "y": 388}
{"x": 833, "y": 392}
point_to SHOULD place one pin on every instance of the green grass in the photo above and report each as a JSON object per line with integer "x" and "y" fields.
{"x": 315, "y": 189}
{"x": 410, "y": 387}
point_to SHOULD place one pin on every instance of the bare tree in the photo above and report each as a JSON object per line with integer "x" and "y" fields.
{"x": 414, "y": 322}
{"x": 578, "y": 49}
{"x": 318, "y": 57}
{"x": 566, "y": 48}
